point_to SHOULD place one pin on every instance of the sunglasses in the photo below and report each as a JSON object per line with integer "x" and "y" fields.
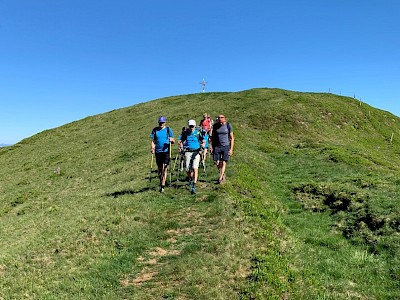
{"x": 221, "y": 117}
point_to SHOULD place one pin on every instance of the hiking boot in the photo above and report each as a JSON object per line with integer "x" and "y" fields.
{"x": 161, "y": 190}
{"x": 193, "y": 190}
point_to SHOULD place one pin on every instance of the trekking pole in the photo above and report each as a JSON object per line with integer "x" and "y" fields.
{"x": 170, "y": 171}
{"x": 203, "y": 163}
{"x": 179, "y": 166}
{"x": 176, "y": 158}
{"x": 151, "y": 166}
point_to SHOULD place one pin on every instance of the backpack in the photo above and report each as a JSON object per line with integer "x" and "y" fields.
{"x": 229, "y": 128}
{"x": 188, "y": 133}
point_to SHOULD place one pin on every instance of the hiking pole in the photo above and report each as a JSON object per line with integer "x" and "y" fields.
{"x": 205, "y": 173}
{"x": 204, "y": 169}
{"x": 181, "y": 162}
{"x": 151, "y": 166}
{"x": 170, "y": 171}
{"x": 203, "y": 163}
{"x": 176, "y": 158}
{"x": 179, "y": 166}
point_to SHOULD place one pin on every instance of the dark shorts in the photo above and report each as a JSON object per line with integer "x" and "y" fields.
{"x": 221, "y": 153}
{"x": 162, "y": 158}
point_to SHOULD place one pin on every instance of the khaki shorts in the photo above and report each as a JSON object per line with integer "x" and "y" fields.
{"x": 188, "y": 158}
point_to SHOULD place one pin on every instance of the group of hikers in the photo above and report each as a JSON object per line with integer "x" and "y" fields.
{"x": 194, "y": 143}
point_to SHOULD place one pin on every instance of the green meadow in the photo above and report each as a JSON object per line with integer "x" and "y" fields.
{"x": 310, "y": 209}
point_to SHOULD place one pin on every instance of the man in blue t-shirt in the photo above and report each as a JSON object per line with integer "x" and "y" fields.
{"x": 193, "y": 141}
{"x": 161, "y": 139}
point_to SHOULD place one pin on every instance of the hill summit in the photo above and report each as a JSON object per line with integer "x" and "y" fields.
{"x": 310, "y": 208}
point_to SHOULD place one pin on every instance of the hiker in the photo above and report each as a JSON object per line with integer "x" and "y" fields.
{"x": 161, "y": 139}
{"x": 222, "y": 141}
{"x": 206, "y": 138}
{"x": 181, "y": 147}
{"x": 191, "y": 143}
{"x": 207, "y": 123}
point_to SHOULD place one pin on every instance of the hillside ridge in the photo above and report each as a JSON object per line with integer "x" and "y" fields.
{"x": 312, "y": 173}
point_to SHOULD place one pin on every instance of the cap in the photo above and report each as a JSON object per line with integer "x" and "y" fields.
{"x": 192, "y": 123}
{"x": 162, "y": 119}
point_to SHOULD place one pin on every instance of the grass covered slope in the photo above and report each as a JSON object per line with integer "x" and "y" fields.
{"x": 310, "y": 209}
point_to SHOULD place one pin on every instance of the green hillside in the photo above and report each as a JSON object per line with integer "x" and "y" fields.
{"x": 310, "y": 209}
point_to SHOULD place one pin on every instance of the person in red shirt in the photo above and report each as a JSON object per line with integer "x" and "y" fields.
{"x": 206, "y": 123}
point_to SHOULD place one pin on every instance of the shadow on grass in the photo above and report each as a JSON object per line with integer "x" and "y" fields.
{"x": 128, "y": 192}
{"x": 175, "y": 185}
{"x": 117, "y": 194}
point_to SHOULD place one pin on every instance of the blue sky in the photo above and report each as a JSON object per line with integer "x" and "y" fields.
{"x": 63, "y": 60}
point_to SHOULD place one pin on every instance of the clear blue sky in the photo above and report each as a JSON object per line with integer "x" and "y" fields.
{"x": 63, "y": 60}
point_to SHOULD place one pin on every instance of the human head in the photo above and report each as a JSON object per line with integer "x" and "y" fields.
{"x": 161, "y": 121}
{"x": 191, "y": 123}
{"x": 221, "y": 118}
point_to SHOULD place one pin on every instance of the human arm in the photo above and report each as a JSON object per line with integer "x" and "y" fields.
{"x": 170, "y": 136}
{"x": 211, "y": 141}
{"x": 232, "y": 143}
{"x": 202, "y": 140}
{"x": 153, "y": 146}
{"x": 181, "y": 140}
{"x": 203, "y": 144}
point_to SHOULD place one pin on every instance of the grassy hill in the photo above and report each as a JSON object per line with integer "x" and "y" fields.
{"x": 310, "y": 210}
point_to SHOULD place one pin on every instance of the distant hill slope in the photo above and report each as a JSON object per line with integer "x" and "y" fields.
{"x": 57, "y": 228}
{"x": 285, "y": 118}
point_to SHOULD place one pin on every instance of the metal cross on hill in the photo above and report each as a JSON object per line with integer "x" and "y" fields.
{"x": 203, "y": 85}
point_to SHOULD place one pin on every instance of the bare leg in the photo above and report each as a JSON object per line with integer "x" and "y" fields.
{"x": 190, "y": 175}
{"x": 159, "y": 173}
{"x": 182, "y": 163}
{"x": 204, "y": 157}
{"x": 221, "y": 166}
{"x": 164, "y": 172}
